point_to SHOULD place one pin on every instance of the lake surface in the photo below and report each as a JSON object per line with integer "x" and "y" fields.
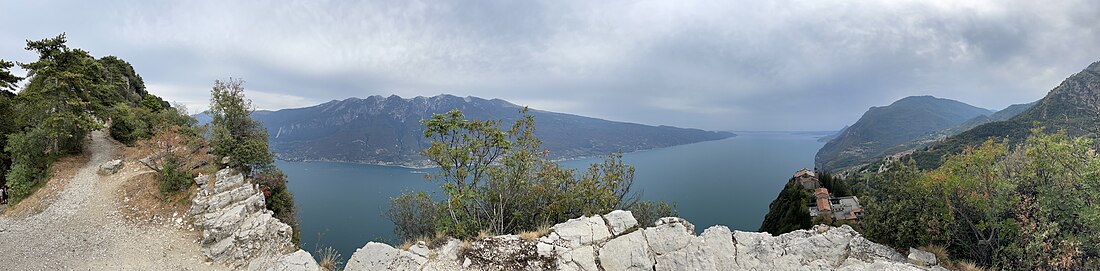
{"x": 725, "y": 182}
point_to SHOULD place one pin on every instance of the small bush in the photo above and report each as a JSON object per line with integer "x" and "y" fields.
{"x": 172, "y": 178}
{"x": 648, "y": 212}
{"x": 23, "y": 180}
{"x": 279, "y": 200}
{"x": 414, "y": 215}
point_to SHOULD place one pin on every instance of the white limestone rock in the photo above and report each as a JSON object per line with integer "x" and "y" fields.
{"x": 619, "y": 221}
{"x": 921, "y": 257}
{"x": 298, "y": 261}
{"x": 379, "y": 257}
{"x": 579, "y": 231}
{"x": 629, "y": 252}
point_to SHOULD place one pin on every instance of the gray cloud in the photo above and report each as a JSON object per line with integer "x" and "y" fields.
{"x": 769, "y": 65}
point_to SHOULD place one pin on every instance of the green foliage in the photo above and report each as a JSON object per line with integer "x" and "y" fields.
{"x": 789, "y": 211}
{"x": 173, "y": 179}
{"x": 837, "y": 186}
{"x": 501, "y": 182}
{"x": 279, "y": 200}
{"x": 235, "y": 134}
{"x": 8, "y": 82}
{"x": 1030, "y": 208}
{"x": 414, "y": 215}
{"x": 30, "y": 162}
{"x": 900, "y": 212}
{"x": 648, "y": 212}
{"x": 242, "y": 141}
{"x": 23, "y": 179}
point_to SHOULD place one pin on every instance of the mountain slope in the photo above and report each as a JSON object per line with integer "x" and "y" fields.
{"x": 1073, "y": 106}
{"x": 386, "y": 130}
{"x": 890, "y": 129}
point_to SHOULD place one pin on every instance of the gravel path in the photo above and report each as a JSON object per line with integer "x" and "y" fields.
{"x": 83, "y": 229}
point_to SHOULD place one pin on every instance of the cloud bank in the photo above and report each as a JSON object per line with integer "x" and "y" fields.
{"x": 721, "y": 65}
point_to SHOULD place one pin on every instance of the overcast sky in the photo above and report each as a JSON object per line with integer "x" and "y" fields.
{"x": 721, "y": 65}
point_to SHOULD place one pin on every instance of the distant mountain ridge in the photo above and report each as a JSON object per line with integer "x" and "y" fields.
{"x": 1072, "y": 106}
{"x": 894, "y": 128}
{"x": 387, "y": 131}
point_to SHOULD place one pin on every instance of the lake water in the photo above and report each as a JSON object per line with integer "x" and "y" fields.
{"x": 725, "y": 182}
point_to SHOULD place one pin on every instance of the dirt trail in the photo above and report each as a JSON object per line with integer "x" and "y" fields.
{"x": 83, "y": 229}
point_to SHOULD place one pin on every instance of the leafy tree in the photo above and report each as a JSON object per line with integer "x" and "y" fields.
{"x": 500, "y": 181}
{"x": 241, "y": 142}
{"x": 236, "y": 135}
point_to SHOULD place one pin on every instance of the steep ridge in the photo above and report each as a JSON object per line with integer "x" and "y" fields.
{"x": 1072, "y": 106}
{"x": 891, "y": 129}
{"x": 615, "y": 241}
{"x": 387, "y": 130}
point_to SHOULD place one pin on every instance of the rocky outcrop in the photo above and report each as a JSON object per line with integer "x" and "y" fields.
{"x": 236, "y": 228}
{"x": 616, "y": 242}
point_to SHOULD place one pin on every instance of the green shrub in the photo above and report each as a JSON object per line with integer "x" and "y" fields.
{"x": 414, "y": 215}
{"x": 173, "y": 178}
{"x": 23, "y": 180}
{"x": 499, "y": 182}
{"x": 278, "y": 198}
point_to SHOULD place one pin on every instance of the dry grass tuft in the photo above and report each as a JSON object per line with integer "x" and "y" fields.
{"x": 535, "y": 234}
{"x": 483, "y": 234}
{"x": 938, "y": 250}
{"x": 965, "y": 265}
{"x": 330, "y": 259}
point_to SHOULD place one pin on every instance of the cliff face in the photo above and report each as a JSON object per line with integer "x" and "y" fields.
{"x": 237, "y": 230}
{"x": 616, "y": 242}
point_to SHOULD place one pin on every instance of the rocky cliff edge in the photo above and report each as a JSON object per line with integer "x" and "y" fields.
{"x": 615, "y": 241}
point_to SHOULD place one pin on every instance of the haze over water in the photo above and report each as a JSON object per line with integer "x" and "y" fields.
{"x": 726, "y": 182}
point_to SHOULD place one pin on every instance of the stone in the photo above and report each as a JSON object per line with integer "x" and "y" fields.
{"x": 629, "y": 252}
{"x": 298, "y": 261}
{"x": 379, "y": 256}
{"x": 110, "y": 167}
{"x": 579, "y": 231}
{"x": 921, "y": 257}
{"x": 619, "y": 221}
{"x": 449, "y": 251}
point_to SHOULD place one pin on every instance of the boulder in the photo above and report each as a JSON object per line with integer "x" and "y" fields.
{"x": 379, "y": 257}
{"x": 629, "y": 252}
{"x": 620, "y": 221}
{"x": 921, "y": 257}
{"x": 110, "y": 167}
{"x": 579, "y": 231}
{"x": 298, "y": 261}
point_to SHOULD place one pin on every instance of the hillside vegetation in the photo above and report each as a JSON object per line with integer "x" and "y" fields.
{"x": 68, "y": 93}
